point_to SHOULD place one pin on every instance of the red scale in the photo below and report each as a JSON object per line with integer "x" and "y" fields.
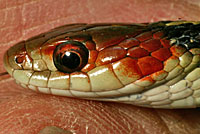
{"x": 162, "y": 54}
{"x": 137, "y": 52}
{"x": 149, "y": 65}
{"x": 151, "y": 45}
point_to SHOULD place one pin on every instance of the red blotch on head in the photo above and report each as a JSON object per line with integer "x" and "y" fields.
{"x": 137, "y": 52}
{"x": 144, "y": 36}
{"x": 107, "y": 43}
{"x": 128, "y": 67}
{"x": 165, "y": 43}
{"x": 158, "y": 35}
{"x": 110, "y": 55}
{"x": 162, "y": 54}
{"x": 129, "y": 43}
{"x": 151, "y": 45}
{"x": 90, "y": 45}
{"x": 88, "y": 67}
{"x": 92, "y": 56}
{"x": 146, "y": 79}
{"x": 149, "y": 65}
{"x": 177, "y": 50}
{"x": 48, "y": 50}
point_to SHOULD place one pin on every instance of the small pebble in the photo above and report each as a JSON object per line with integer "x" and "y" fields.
{"x": 54, "y": 130}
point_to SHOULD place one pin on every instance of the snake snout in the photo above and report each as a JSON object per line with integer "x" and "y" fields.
{"x": 16, "y": 58}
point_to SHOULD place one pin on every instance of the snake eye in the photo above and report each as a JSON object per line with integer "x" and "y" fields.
{"x": 70, "y": 56}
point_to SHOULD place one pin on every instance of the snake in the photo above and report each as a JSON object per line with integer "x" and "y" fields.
{"x": 155, "y": 65}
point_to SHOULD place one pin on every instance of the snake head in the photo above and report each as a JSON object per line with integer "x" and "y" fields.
{"x": 151, "y": 65}
{"x": 34, "y": 58}
{"x": 74, "y": 60}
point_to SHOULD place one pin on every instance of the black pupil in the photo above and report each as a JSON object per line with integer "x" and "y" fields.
{"x": 71, "y": 60}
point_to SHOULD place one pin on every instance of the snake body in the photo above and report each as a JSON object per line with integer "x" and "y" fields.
{"x": 150, "y": 64}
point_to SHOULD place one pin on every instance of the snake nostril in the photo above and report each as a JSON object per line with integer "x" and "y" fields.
{"x": 20, "y": 59}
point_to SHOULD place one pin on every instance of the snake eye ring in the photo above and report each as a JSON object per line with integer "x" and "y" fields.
{"x": 70, "y": 56}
